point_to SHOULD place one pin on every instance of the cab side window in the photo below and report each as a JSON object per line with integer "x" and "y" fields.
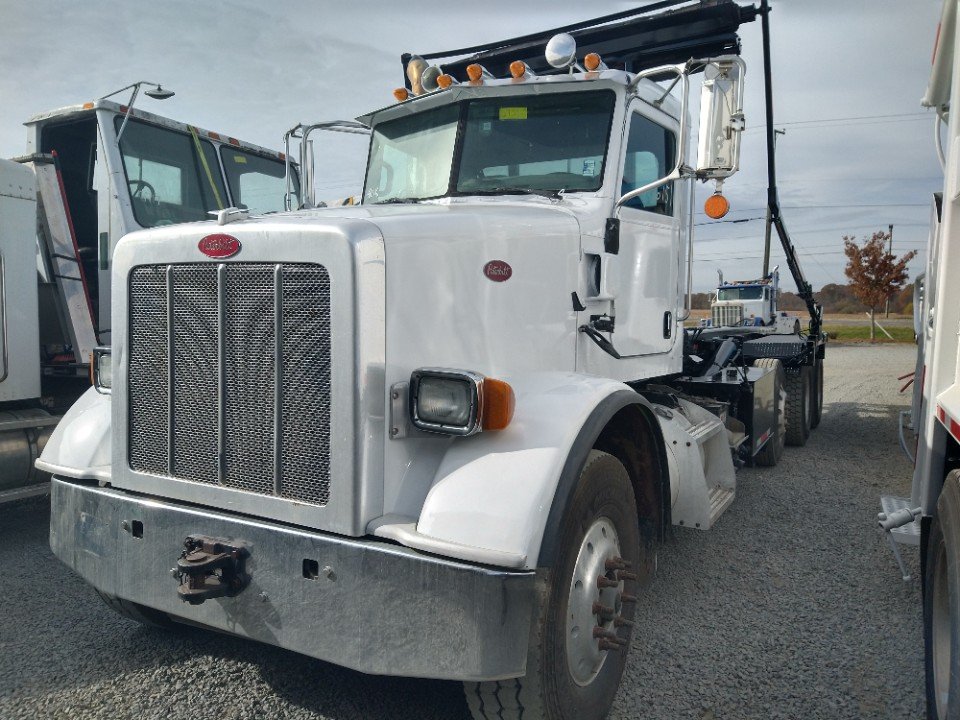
{"x": 651, "y": 154}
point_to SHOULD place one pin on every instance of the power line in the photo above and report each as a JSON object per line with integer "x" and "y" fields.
{"x": 903, "y": 117}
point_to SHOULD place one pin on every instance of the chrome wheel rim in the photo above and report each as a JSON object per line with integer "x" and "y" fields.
{"x": 586, "y": 627}
{"x": 940, "y": 633}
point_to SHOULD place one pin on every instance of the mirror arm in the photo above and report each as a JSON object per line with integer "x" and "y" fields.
{"x": 679, "y": 170}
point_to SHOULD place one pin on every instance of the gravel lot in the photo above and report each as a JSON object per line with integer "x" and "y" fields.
{"x": 791, "y": 607}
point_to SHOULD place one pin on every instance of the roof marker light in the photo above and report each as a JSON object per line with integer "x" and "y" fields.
{"x": 594, "y": 63}
{"x": 520, "y": 70}
{"x": 444, "y": 81}
{"x": 401, "y": 94}
{"x": 477, "y": 73}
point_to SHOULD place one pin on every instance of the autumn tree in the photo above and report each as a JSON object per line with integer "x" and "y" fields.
{"x": 874, "y": 273}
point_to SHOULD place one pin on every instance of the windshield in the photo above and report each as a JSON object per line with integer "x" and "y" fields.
{"x": 547, "y": 143}
{"x": 742, "y": 293}
{"x": 170, "y": 181}
{"x": 256, "y": 182}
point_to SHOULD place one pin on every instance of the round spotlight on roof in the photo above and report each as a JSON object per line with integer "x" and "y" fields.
{"x": 561, "y": 51}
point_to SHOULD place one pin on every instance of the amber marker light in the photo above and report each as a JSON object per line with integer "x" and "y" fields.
{"x": 497, "y": 404}
{"x": 518, "y": 68}
{"x": 716, "y": 206}
{"x": 475, "y": 73}
{"x": 445, "y": 81}
{"x": 401, "y": 94}
{"x": 591, "y": 62}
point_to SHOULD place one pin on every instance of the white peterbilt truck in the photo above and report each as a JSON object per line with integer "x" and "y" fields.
{"x": 751, "y": 303}
{"x": 93, "y": 173}
{"x": 440, "y": 433}
{"x": 930, "y": 517}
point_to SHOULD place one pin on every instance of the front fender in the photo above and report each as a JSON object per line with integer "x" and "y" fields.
{"x": 493, "y": 493}
{"x": 80, "y": 445}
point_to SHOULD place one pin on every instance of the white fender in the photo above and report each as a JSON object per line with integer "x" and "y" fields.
{"x": 80, "y": 444}
{"x": 492, "y": 493}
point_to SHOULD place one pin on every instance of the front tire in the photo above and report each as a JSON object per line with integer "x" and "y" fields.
{"x": 941, "y": 605}
{"x": 578, "y": 644}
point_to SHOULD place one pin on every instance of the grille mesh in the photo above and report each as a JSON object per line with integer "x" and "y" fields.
{"x": 225, "y": 377}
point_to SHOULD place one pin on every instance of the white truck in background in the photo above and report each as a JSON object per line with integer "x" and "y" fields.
{"x": 440, "y": 433}
{"x": 63, "y": 208}
{"x": 753, "y": 304}
{"x": 930, "y": 517}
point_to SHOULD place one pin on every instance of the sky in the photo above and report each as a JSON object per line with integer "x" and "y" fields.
{"x": 858, "y": 153}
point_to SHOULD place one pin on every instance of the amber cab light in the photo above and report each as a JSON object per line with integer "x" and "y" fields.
{"x": 592, "y": 61}
{"x": 445, "y": 81}
{"x": 497, "y": 404}
{"x": 401, "y": 94}
{"x": 716, "y": 206}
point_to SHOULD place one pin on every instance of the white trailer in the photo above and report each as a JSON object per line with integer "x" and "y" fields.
{"x": 439, "y": 433}
{"x": 930, "y": 517}
{"x": 63, "y": 208}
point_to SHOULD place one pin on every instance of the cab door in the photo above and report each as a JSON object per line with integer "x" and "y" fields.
{"x": 647, "y": 300}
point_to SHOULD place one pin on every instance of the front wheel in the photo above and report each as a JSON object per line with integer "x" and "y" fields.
{"x": 941, "y": 605}
{"x": 578, "y": 644}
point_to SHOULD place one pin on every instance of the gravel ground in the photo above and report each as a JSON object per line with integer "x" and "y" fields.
{"x": 790, "y": 607}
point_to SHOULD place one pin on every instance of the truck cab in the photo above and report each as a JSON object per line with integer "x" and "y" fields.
{"x": 440, "y": 432}
{"x": 83, "y": 185}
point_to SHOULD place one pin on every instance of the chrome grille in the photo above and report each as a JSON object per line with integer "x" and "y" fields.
{"x": 221, "y": 357}
{"x": 727, "y": 315}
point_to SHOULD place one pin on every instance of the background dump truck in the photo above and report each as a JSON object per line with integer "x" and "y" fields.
{"x": 63, "y": 207}
{"x": 930, "y": 517}
{"x": 440, "y": 433}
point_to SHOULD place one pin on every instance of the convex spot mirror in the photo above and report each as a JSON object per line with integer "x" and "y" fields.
{"x": 721, "y": 118}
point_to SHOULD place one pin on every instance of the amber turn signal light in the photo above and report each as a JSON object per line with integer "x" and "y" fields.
{"x": 497, "y": 404}
{"x": 445, "y": 81}
{"x": 716, "y": 206}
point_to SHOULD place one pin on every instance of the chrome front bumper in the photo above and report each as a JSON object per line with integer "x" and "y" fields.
{"x": 379, "y": 608}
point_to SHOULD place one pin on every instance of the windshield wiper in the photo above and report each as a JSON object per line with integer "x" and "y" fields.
{"x": 507, "y": 190}
{"x": 396, "y": 201}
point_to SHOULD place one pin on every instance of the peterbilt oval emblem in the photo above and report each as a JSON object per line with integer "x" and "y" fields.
{"x": 497, "y": 270}
{"x": 219, "y": 245}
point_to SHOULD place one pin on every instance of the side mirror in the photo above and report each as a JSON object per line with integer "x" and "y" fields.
{"x": 721, "y": 118}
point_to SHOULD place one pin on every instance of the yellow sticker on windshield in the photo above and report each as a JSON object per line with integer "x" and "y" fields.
{"x": 513, "y": 113}
{"x": 240, "y": 159}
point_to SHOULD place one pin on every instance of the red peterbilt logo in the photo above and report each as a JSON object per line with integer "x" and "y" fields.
{"x": 497, "y": 270}
{"x": 219, "y": 245}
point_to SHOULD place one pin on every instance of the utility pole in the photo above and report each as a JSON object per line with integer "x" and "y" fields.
{"x": 766, "y": 233}
{"x": 889, "y": 252}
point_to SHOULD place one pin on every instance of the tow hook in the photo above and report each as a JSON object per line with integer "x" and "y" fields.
{"x": 209, "y": 568}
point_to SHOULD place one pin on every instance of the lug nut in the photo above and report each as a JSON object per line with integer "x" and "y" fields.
{"x": 599, "y": 632}
{"x": 625, "y": 575}
{"x": 620, "y": 621}
{"x": 614, "y": 564}
{"x": 604, "y": 582}
{"x": 605, "y": 613}
{"x": 607, "y": 645}
{"x": 628, "y": 598}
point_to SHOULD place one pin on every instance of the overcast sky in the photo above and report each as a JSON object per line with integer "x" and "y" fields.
{"x": 858, "y": 153}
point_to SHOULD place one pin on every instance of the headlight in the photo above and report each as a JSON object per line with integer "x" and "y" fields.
{"x": 102, "y": 369}
{"x": 458, "y": 402}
